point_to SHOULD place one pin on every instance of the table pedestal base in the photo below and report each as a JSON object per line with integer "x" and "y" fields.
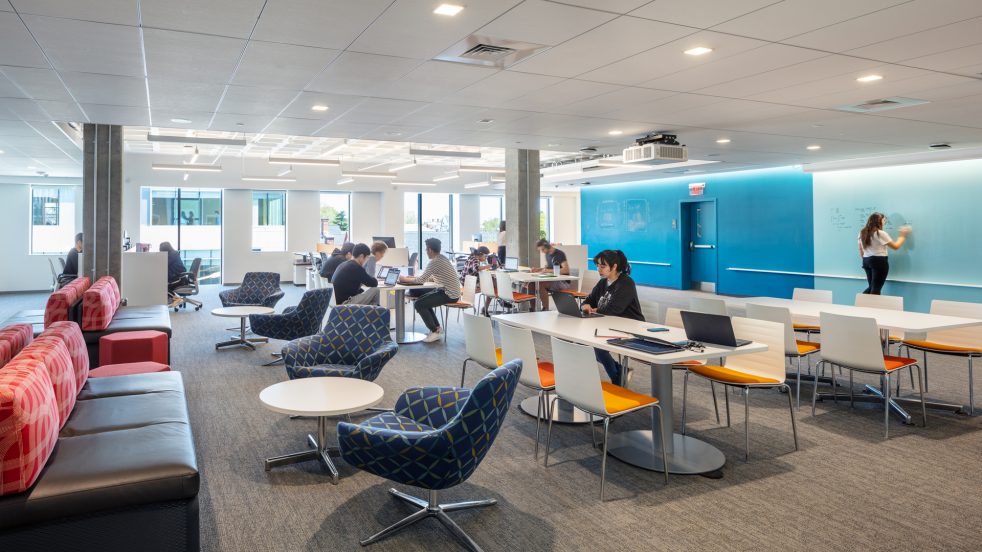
{"x": 409, "y": 337}
{"x": 319, "y": 452}
{"x": 689, "y": 456}
{"x": 564, "y": 413}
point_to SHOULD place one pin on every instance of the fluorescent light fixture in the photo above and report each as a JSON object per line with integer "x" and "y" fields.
{"x": 615, "y": 132}
{"x": 180, "y": 121}
{"x": 186, "y": 175}
{"x": 611, "y": 163}
{"x": 497, "y": 179}
{"x": 368, "y": 174}
{"x": 375, "y": 166}
{"x": 698, "y": 51}
{"x": 1, "y": 152}
{"x": 300, "y": 161}
{"x": 895, "y": 160}
{"x": 403, "y": 166}
{"x": 566, "y": 173}
{"x": 186, "y": 168}
{"x": 269, "y": 178}
{"x": 478, "y": 169}
{"x": 345, "y": 181}
{"x": 448, "y": 9}
{"x": 869, "y": 78}
{"x": 337, "y": 148}
{"x": 285, "y": 171}
{"x": 195, "y": 140}
{"x": 444, "y": 153}
{"x": 813, "y": 147}
{"x": 477, "y": 185}
{"x": 723, "y": 141}
{"x": 194, "y": 157}
{"x": 395, "y": 183}
{"x": 319, "y": 107}
{"x": 447, "y": 177}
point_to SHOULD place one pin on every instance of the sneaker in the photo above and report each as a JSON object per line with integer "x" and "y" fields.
{"x": 435, "y": 335}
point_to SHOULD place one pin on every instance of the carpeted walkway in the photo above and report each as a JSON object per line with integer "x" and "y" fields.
{"x": 846, "y": 489}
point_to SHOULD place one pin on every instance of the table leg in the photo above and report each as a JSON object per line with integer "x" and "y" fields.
{"x": 319, "y": 451}
{"x": 402, "y": 336}
{"x": 686, "y": 454}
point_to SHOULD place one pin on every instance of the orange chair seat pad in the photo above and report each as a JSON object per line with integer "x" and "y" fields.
{"x": 805, "y": 347}
{"x": 618, "y": 399}
{"x": 805, "y": 327}
{"x": 574, "y": 293}
{"x": 459, "y": 305}
{"x": 547, "y": 374}
{"x": 522, "y": 296}
{"x": 689, "y": 363}
{"x": 728, "y": 375}
{"x": 941, "y": 347}
{"x": 892, "y": 363}
{"x": 497, "y": 354}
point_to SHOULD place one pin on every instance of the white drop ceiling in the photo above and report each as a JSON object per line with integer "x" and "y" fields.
{"x": 254, "y": 68}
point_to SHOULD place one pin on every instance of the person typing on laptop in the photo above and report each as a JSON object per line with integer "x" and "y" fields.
{"x": 614, "y": 295}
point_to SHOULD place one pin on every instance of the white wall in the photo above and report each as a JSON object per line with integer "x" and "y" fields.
{"x": 467, "y": 218}
{"x": 366, "y": 216}
{"x": 566, "y": 218}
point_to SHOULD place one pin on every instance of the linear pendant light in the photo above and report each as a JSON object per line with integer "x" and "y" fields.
{"x": 269, "y": 178}
{"x": 193, "y": 140}
{"x": 479, "y": 169}
{"x": 477, "y": 185}
{"x": 356, "y": 174}
{"x": 300, "y": 161}
{"x": 186, "y": 168}
{"x": 395, "y": 183}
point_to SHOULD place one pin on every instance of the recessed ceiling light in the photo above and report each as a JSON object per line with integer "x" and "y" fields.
{"x": 319, "y": 108}
{"x": 869, "y": 78}
{"x": 616, "y": 132}
{"x": 448, "y": 9}
{"x": 723, "y": 141}
{"x": 239, "y": 124}
{"x": 698, "y": 51}
{"x": 180, "y": 121}
{"x": 813, "y": 148}
{"x": 1, "y": 152}
{"x": 485, "y": 121}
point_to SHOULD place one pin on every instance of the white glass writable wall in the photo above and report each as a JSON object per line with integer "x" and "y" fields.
{"x": 268, "y": 221}
{"x": 335, "y": 217}
{"x": 191, "y": 220}
{"x": 53, "y": 222}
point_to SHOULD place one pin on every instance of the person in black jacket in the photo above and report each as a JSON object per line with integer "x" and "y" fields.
{"x": 175, "y": 266}
{"x": 614, "y": 295}
{"x": 334, "y": 261}
{"x": 351, "y": 275}
{"x": 70, "y": 272}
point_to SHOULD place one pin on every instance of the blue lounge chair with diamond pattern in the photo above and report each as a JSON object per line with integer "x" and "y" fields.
{"x": 355, "y": 343}
{"x": 294, "y": 322}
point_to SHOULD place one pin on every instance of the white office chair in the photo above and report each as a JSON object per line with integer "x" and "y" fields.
{"x": 479, "y": 344}
{"x": 487, "y": 286}
{"x": 812, "y": 296}
{"x": 466, "y": 301}
{"x": 793, "y": 348}
{"x": 537, "y": 375}
{"x": 886, "y": 302}
{"x": 673, "y": 319}
{"x": 853, "y": 343}
{"x": 707, "y": 305}
{"x": 506, "y": 293}
{"x": 650, "y": 311}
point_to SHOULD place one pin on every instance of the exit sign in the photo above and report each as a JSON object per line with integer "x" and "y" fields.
{"x": 697, "y": 188}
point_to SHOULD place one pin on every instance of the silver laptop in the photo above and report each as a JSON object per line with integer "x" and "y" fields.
{"x": 511, "y": 264}
{"x": 566, "y": 305}
{"x": 391, "y": 278}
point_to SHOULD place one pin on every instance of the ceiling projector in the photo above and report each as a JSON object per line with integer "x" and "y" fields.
{"x": 656, "y": 149}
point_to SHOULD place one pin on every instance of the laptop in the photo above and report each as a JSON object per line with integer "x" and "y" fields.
{"x": 391, "y": 277}
{"x": 715, "y": 329}
{"x": 383, "y": 272}
{"x": 511, "y": 264}
{"x": 566, "y": 305}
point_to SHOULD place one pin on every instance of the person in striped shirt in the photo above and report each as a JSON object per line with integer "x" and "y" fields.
{"x": 440, "y": 270}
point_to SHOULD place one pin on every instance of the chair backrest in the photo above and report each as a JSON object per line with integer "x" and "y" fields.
{"x": 781, "y": 315}
{"x": 504, "y": 286}
{"x": 577, "y": 376}
{"x": 470, "y": 288}
{"x": 851, "y": 341}
{"x": 708, "y": 305}
{"x": 813, "y": 295}
{"x": 479, "y": 340}
{"x": 673, "y": 317}
{"x": 589, "y": 280}
{"x": 487, "y": 283}
{"x": 888, "y": 302}
{"x": 311, "y": 309}
{"x": 970, "y": 336}
{"x": 61, "y": 261}
{"x": 767, "y": 364}
{"x": 355, "y": 331}
{"x": 259, "y": 285}
{"x": 518, "y": 343}
{"x": 54, "y": 275}
{"x": 650, "y": 310}
{"x": 413, "y": 258}
{"x": 194, "y": 271}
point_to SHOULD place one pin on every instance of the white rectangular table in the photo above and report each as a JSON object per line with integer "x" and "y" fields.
{"x": 809, "y": 312}
{"x": 686, "y": 454}
{"x": 532, "y": 277}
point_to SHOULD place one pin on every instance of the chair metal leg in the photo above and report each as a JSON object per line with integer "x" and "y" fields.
{"x": 432, "y": 508}
{"x": 797, "y": 393}
{"x": 552, "y": 411}
{"x": 815, "y": 385}
{"x": 794, "y": 424}
{"x": 971, "y": 388}
{"x": 593, "y": 433}
{"x": 746, "y": 417}
{"x": 538, "y": 421}
{"x": 396, "y": 527}
{"x": 414, "y": 500}
{"x": 685, "y": 392}
{"x": 463, "y": 537}
{"x": 726, "y": 395}
{"x": 886, "y": 406}
{"x": 924, "y": 366}
{"x": 463, "y": 371}
{"x": 712, "y": 389}
{"x": 923, "y": 404}
{"x": 603, "y": 461}
{"x": 850, "y": 390}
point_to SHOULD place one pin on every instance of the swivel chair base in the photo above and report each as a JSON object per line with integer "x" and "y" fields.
{"x": 432, "y": 508}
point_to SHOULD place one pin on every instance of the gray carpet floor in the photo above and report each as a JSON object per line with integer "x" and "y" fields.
{"x": 846, "y": 489}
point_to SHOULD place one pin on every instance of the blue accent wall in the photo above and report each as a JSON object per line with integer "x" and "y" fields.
{"x": 764, "y": 222}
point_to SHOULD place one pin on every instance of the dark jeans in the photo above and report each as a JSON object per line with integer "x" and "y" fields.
{"x": 876, "y": 268}
{"x": 613, "y": 368}
{"x": 428, "y": 302}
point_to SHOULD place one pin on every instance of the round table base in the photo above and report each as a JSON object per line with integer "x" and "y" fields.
{"x": 690, "y": 456}
{"x": 564, "y": 413}
{"x": 411, "y": 337}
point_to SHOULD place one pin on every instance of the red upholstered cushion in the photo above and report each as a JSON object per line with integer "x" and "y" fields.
{"x": 28, "y": 423}
{"x": 60, "y": 301}
{"x": 99, "y": 304}
{"x": 5, "y": 355}
{"x": 71, "y": 334}
{"x": 53, "y": 352}
{"x": 18, "y": 336}
{"x": 144, "y": 345}
{"x": 129, "y": 368}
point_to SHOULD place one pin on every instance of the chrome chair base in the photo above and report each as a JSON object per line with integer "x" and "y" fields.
{"x": 277, "y": 359}
{"x": 432, "y": 508}
{"x": 320, "y": 451}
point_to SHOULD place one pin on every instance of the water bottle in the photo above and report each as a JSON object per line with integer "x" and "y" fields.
{"x": 556, "y": 269}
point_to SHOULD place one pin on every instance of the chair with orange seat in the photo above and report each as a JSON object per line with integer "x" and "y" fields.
{"x": 479, "y": 344}
{"x": 518, "y": 343}
{"x": 764, "y": 370}
{"x": 488, "y": 287}
{"x": 813, "y": 296}
{"x": 853, "y": 343}
{"x": 506, "y": 295}
{"x": 578, "y": 382}
{"x": 886, "y": 302}
{"x": 465, "y": 302}
{"x": 961, "y": 342}
{"x": 673, "y": 319}
{"x": 793, "y": 348}
{"x": 583, "y": 286}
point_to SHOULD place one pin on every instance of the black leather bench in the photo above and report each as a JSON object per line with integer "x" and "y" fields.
{"x": 130, "y": 319}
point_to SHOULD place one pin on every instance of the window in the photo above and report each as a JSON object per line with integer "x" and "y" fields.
{"x": 269, "y": 221}
{"x": 490, "y": 213}
{"x": 545, "y": 218}
{"x": 191, "y": 220}
{"x": 428, "y": 216}
{"x": 53, "y": 225}
{"x": 335, "y": 217}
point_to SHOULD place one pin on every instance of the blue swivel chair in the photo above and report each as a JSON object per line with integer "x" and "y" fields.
{"x": 294, "y": 322}
{"x": 260, "y": 289}
{"x": 434, "y": 439}
{"x": 355, "y": 343}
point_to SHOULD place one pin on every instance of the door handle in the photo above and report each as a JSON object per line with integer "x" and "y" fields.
{"x": 701, "y": 246}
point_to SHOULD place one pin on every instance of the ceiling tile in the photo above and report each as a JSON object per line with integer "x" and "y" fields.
{"x": 913, "y": 87}
{"x": 256, "y": 100}
{"x": 620, "y": 99}
{"x": 17, "y": 129}
{"x": 381, "y": 111}
{"x": 942, "y": 39}
{"x": 23, "y": 109}
{"x": 108, "y": 49}
{"x": 393, "y": 132}
{"x": 281, "y": 65}
{"x": 106, "y": 89}
{"x": 174, "y": 95}
{"x": 409, "y": 28}
{"x": 40, "y": 84}
{"x": 501, "y": 87}
{"x": 120, "y": 12}
{"x": 729, "y": 114}
{"x": 117, "y": 115}
{"x": 618, "y": 6}
{"x": 321, "y": 23}
{"x": 433, "y": 80}
{"x": 234, "y": 18}
{"x": 8, "y": 89}
{"x": 794, "y": 17}
{"x": 190, "y": 57}
{"x": 163, "y": 117}
{"x": 356, "y": 73}
{"x": 5, "y": 6}
{"x": 699, "y": 13}
{"x": 544, "y": 23}
{"x": 337, "y": 105}
{"x": 239, "y": 123}
{"x": 552, "y": 98}
{"x": 811, "y": 86}
{"x": 952, "y": 60}
{"x": 661, "y": 110}
{"x": 299, "y": 127}
{"x": 16, "y": 45}
{"x": 437, "y": 114}
{"x": 770, "y": 84}
{"x": 344, "y": 129}
{"x": 66, "y": 112}
{"x": 608, "y": 43}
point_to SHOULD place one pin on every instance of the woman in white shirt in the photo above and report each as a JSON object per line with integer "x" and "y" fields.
{"x": 873, "y": 243}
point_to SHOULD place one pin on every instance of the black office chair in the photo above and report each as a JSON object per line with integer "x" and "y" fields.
{"x": 183, "y": 288}
{"x": 62, "y": 261}
{"x": 413, "y": 258}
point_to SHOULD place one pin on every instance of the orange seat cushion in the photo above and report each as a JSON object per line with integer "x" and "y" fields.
{"x": 940, "y": 347}
{"x": 805, "y": 347}
{"x": 618, "y": 399}
{"x": 574, "y": 293}
{"x": 689, "y": 363}
{"x": 547, "y": 374}
{"x": 892, "y": 363}
{"x": 727, "y": 375}
{"x": 805, "y": 327}
{"x": 459, "y": 305}
{"x": 497, "y": 353}
{"x": 522, "y": 296}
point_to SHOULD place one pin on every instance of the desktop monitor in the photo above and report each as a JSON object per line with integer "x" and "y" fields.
{"x": 387, "y": 240}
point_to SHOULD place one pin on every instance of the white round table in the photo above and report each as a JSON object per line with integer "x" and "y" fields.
{"x": 320, "y": 397}
{"x": 241, "y": 313}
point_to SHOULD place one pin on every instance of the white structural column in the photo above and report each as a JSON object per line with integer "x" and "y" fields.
{"x": 522, "y": 205}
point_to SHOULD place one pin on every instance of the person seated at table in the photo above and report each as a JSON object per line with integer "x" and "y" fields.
{"x": 440, "y": 270}
{"x": 554, "y": 257}
{"x": 70, "y": 272}
{"x": 480, "y": 259}
{"x": 378, "y": 251}
{"x": 351, "y": 276}
{"x": 334, "y": 261}
{"x": 614, "y": 295}
{"x": 176, "y": 271}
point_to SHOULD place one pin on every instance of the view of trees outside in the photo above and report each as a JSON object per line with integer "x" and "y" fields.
{"x": 335, "y": 223}
{"x": 433, "y": 222}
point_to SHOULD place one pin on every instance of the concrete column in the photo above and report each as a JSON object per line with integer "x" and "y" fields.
{"x": 102, "y": 204}
{"x": 522, "y": 205}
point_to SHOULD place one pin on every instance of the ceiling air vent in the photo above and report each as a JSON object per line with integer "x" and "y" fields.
{"x": 882, "y": 104}
{"x": 490, "y": 52}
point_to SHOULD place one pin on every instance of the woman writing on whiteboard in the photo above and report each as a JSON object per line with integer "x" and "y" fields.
{"x": 873, "y": 243}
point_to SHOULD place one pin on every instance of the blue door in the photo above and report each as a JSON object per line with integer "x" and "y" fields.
{"x": 702, "y": 245}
